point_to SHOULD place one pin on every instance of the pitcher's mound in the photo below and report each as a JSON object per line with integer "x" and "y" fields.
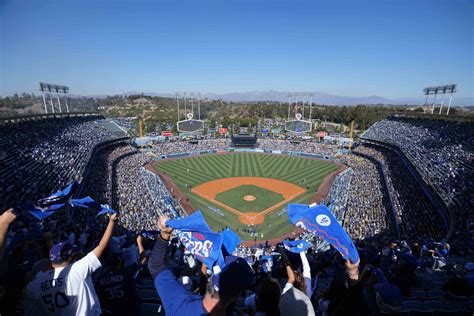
{"x": 249, "y": 198}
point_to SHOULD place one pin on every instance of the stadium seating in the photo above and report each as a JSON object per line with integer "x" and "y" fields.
{"x": 117, "y": 176}
{"x": 440, "y": 150}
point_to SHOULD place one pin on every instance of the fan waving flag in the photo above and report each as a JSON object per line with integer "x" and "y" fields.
{"x": 47, "y": 206}
{"x": 86, "y": 202}
{"x": 104, "y": 208}
{"x": 230, "y": 240}
{"x": 295, "y": 246}
{"x": 43, "y": 212}
{"x": 319, "y": 220}
{"x": 60, "y": 197}
{"x": 198, "y": 238}
{"x": 89, "y": 202}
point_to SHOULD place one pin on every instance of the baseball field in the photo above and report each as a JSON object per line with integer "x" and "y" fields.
{"x": 245, "y": 190}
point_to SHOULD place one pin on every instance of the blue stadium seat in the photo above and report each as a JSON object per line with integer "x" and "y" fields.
{"x": 413, "y": 306}
{"x": 436, "y": 293}
{"x": 457, "y": 307}
{"x": 435, "y": 306}
{"x": 147, "y": 282}
{"x": 148, "y": 294}
{"x": 145, "y": 287}
{"x": 456, "y": 298}
{"x": 419, "y": 294}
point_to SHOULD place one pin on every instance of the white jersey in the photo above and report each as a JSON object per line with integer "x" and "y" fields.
{"x": 66, "y": 291}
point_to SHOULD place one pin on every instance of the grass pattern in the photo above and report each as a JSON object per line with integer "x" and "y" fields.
{"x": 189, "y": 172}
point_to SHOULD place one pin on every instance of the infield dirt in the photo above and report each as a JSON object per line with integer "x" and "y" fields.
{"x": 210, "y": 189}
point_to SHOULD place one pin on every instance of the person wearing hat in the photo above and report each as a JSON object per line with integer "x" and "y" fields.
{"x": 67, "y": 289}
{"x": 224, "y": 289}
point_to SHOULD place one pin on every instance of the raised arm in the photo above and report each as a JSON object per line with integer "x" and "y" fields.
{"x": 306, "y": 273}
{"x": 104, "y": 242}
{"x": 5, "y": 220}
{"x": 156, "y": 264}
{"x": 141, "y": 249}
{"x": 286, "y": 262}
{"x": 352, "y": 270}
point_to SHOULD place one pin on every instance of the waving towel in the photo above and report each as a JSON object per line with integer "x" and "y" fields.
{"x": 319, "y": 220}
{"x": 43, "y": 212}
{"x": 86, "y": 202}
{"x": 295, "y": 246}
{"x": 198, "y": 238}
{"x": 60, "y": 197}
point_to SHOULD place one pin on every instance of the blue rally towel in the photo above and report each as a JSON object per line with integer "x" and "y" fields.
{"x": 105, "y": 209}
{"x": 86, "y": 202}
{"x": 230, "y": 241}
{"x": 198, "y": 238}
{"x": 43, "y": 212}
{"x": 295, "y": 246}
{"x": 319, "y": 220}
{"x": 60, "y": 197}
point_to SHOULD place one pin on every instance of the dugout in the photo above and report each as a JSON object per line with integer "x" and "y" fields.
{"x": 244, "y": 140}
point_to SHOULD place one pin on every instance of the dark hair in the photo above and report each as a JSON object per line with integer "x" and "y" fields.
{"x": 268, "y": 297}
{"x": 300, "y": 282}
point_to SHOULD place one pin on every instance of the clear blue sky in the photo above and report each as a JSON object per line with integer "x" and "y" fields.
{"x": 351, "y": 48}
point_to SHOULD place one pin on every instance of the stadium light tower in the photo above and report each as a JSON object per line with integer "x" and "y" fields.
{"x": 190, "y": 124}
{"x": 49, "y": 89}
{"x": 299, "y": 125}
{"x": 435, "y": 90}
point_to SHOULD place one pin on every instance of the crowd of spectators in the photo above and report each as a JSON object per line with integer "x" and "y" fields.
{"x": 132, "y": 196}
{"x": 411, "y": 206}
{"x": 133, "y": 275}
{"x": 187, "y": 147}
{"x": 98, "y": 183}
{"x": 367, "y": 210}
{"x": 306, "y": 146}
{"x": 442, "y": 151}
{"x": 38, "y": 157}
{"x": 338, "y": 194}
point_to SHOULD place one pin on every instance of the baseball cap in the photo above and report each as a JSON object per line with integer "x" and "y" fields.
{"x": 234, "y": 277}
{"x": 60, "y": 252}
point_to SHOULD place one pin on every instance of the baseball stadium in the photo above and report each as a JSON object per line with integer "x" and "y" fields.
{"x": 236, "y": 158}
{"x": 243, "y": 190}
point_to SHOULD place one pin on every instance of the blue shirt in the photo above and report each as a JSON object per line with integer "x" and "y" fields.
{"x": 176, "y": 299}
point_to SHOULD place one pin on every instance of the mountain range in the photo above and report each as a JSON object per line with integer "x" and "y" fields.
{"x": 318, "y": 98}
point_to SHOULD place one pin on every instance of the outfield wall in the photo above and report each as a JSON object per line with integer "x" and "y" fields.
{"x": 253, "y": 150}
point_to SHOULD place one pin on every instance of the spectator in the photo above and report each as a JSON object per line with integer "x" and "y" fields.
{"x": 68, "y": 288}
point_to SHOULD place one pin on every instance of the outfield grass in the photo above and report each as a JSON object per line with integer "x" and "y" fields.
{"x": 235, "y": 198}
{"x": 192, "y": 171}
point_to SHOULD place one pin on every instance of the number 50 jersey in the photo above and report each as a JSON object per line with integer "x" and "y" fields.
{"x": 65, "y": 291}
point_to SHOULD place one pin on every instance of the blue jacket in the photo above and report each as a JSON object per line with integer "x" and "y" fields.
{"x": 175, "y": 298}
